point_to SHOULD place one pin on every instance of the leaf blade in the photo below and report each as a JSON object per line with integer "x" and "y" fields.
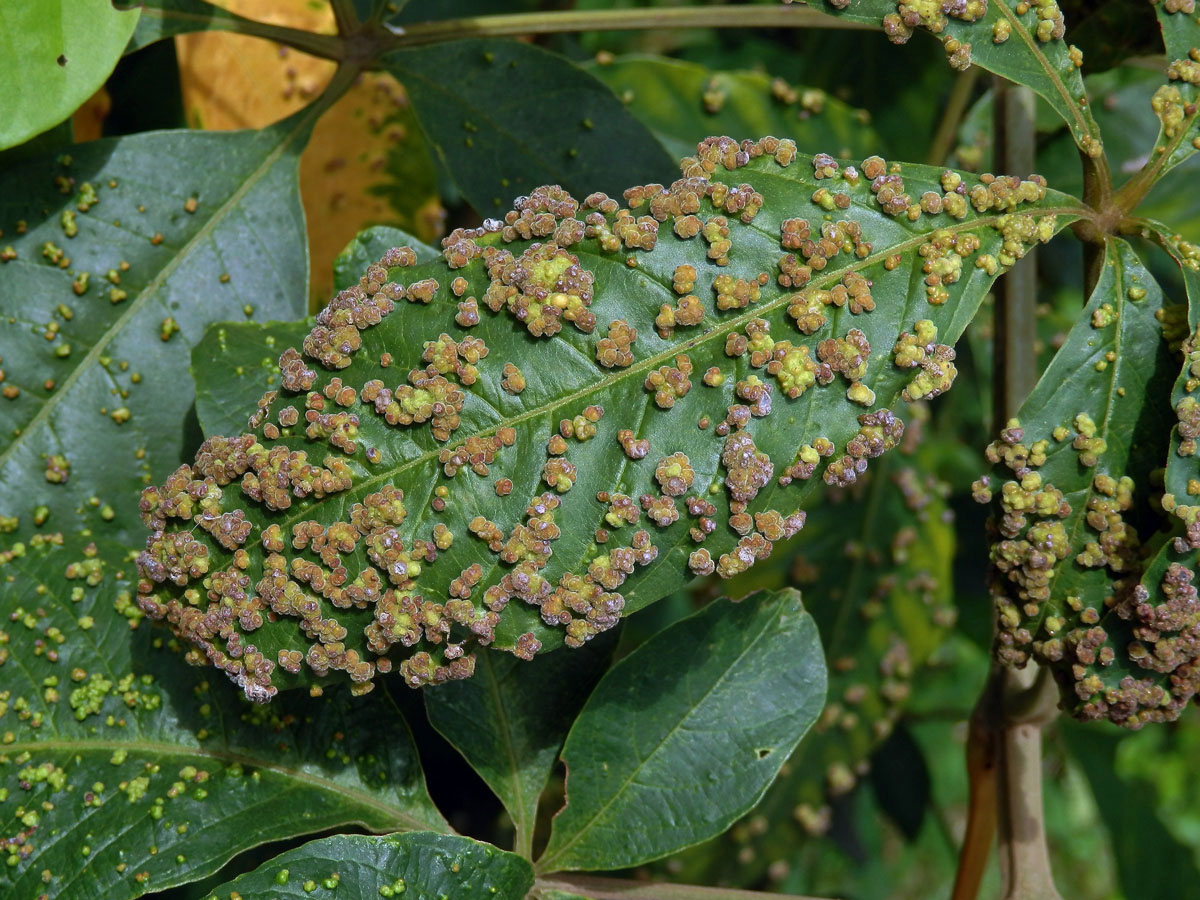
{"x": 739, "y": 737}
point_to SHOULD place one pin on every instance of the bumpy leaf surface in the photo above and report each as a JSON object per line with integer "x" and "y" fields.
{"x": 502, "y": 435}
{"x": 418, "y": 866}
{"x": 122, "y": 771}
{"x": 510, "y": 721}
{"x": 1022, "y": 41}
{"x": 53, "y": 56}
{"x": 683, "y": 736}
{"x": 1175, "y": 102}
{"x": 1071, "y": 485}
{"x": 682, "y": 103}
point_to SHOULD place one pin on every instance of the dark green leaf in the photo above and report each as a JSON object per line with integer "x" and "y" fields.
{"x": 683, "y": 103}
{"x": 587, "y": 547}
{"x": 497, "y": 144}
{"x": 55, "y": 55}
{"x": 685, "y": 734}
{"x": 1072, "y": 480}
{"x": 125, "y": 770}
{"x": 510, "y": 720}
{"x": 370, "y": 245}
{"x": 418, "y": 866}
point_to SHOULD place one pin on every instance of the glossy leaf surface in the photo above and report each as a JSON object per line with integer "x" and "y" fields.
{"x": 123, "y": 770}
{"x": 54, "y": 54}
{"x": 418, "y": 866}
{"x": 683, "y": 736}
{"x": 542, "y": 498}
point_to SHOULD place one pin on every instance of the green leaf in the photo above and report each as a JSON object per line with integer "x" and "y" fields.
{"x": 1023, "y": 47}
{"x": 419, "y": 866}
{"x": 510, "y": 720}
{"x": 53, "y": 56}
{"x": 497, "y": 455}
{"x": 1175, "y": 102}
{"x": 370, "y": 245}
{"x": 686, "y": 733}
{"x": 123, "y": 770}
{"x": 1080, "y": 457}
{"x": 497, "y": 144}
{"x": 683, "y": 103}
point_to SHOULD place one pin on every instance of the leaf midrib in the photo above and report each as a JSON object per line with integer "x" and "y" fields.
{"x": 544, "y": 864}
{"x": 717, "y": 331}
{"x": 153, "y": 286}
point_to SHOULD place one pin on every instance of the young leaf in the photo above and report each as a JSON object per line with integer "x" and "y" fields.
{"x": 1023, "y": 42}
{"x": 461, "y": 458}
{"x": 496, "y": 144}
{"x": 1080, "y": 454}
{"x": 417, "y": 866}
{"x": 682, "y": 103}
{"x": 510, "y": 720}
{"x": 107, "y": 739}
{"x": 686, "y": 733}
{"x": 56, "y": 55}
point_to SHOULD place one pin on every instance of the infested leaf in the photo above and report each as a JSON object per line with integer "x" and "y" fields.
{"x": 1024, "y": 42}
{"x": 462, "y": 459}
{"x": 419, "y": 865}
{"x": 683, "y": 736}
{"x": 122, "y": 771}
{"x": 1072, "y": 482}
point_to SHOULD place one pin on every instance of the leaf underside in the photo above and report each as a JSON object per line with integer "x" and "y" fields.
{"x": 429, "y": 470}
{"x": 1085, "y": 582}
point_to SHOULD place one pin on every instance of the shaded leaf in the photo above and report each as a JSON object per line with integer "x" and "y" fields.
{"x": 1070, "y": 514}
{"x": 418, "y": 866}
{"x": 497, "y": 144}
{"x": 56, "y": 55}
{"x": 683, "y": 103}
{"x": 510, "y": 720}
{"x": 900, "y": 780}
{"x": 683, "y": 735}
{"x": 123, "y": 770}
{"x": 556, "y": 516}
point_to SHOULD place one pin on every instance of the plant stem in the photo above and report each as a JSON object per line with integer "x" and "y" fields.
{"x": 626, "y": 889}
{"x": 717, "y": 16}
{"x": 956, "y": 105}
{"x": 345, "y": 16}
{"x": 326, "y": 46}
